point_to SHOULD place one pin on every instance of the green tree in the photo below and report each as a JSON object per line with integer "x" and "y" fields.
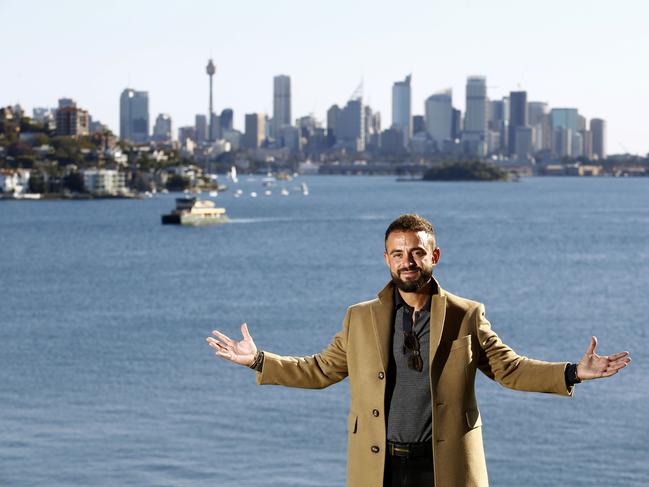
{"x": 177, "y": 183}
{"x": 74, "y": 182}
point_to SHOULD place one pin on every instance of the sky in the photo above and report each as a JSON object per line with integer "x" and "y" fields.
{"x": 589, "y": 55}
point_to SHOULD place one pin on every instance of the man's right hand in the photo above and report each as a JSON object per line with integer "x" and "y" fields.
{"x": 241, "y": 352}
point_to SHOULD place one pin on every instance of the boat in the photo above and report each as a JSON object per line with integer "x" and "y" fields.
{"x": 284, "y": 192}
{"x": 192, "y": 211}
{"x": 213, "y": 194}
{"x": 305, "y": 189}
{"x": 232, "y": 176}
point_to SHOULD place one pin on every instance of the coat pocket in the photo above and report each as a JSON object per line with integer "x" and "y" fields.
{"x": 473, "y": 419}
{"x": 352, "y": 423}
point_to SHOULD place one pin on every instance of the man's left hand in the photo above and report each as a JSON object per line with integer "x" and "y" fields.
{"x": 593, "y": 366}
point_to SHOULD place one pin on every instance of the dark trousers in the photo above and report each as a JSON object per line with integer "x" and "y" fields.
{"x": 408, "y": 472}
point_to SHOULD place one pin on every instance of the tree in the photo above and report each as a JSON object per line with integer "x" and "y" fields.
{"x": 177, "y": 183}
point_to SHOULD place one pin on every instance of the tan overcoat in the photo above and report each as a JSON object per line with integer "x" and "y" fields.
{"x": 461, "y": 341}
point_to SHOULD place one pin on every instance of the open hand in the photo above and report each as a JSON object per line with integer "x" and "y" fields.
{"x": 241, "y": 352}
{"x": 593, "y": 366}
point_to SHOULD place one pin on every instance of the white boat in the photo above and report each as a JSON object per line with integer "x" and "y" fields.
{"x": 305, "y": 189}
{"x": 284, "y": 192}
{"x": 253, "y": 194}
{"x": 214, "y": 194}
{"x": 232, "y": 176}
{"x": 268, "y": 192}
{"x": 192, "y": 211}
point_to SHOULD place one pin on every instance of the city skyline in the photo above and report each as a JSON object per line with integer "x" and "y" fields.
{"x": 602, "y": 78}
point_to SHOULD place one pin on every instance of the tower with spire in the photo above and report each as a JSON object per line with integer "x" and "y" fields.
{"x": 211, "y": 69}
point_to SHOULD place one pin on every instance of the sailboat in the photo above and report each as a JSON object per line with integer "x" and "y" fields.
{"x": 233, "y": 175}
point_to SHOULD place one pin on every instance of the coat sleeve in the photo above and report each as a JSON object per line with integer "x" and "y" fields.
{"x": 312, "y": 371}
{"x": 500, "y": 363}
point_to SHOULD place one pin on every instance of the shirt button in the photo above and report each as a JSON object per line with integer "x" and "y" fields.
{"x": 375, "y": 449}
{"x": 375, "y": 413}
{"x": 381, "y": 375}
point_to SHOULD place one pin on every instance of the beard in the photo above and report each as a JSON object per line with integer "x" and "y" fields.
{"x": 425, "y": 275}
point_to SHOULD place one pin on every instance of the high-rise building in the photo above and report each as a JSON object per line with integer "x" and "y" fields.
{"x": 562, "y": 142}
{"x": 281, "y": 104}
{"x": 226, "y": 120}
{"x": 401, "y": 108}
{"x": 67, "y": 103}
{"x": 185, "y": 134}
{"x": 200, "y": 123}
{"x": 418, "y": 124}
{"x": 539, "y": 120}
{"x": 255, "y": 131}
{"x": 162, "y": 128}
{"x": 332, "y": 116}
{"x": 565, "y": 118}
{"x": 598, "y": 131}
{"x": 517, "y": 119}
{"x": 72, "y": 121}
{"x": 350, "y": 126}
{"x": 439, "y": 117}
{"x": 523, "y": 143}
{"x": 134, "y": 116}
{"x": 456, "y": 132}
{"x": 214, "y": 128}
{"x": 587, "y": 143}
{"x": 475, "y": 117}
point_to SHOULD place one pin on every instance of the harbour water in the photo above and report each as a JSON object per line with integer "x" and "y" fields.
{"x": 105, "y": 377}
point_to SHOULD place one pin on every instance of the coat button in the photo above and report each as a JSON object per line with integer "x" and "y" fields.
{"x": 381, "y": 375}
{"x": 375, "y": 449}
{"x": 375, "y": 413}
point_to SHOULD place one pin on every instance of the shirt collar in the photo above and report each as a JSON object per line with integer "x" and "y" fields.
{"x": 399, "y": 302}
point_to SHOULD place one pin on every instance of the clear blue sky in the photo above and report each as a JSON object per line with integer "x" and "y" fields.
{"x": 585, "y": 54}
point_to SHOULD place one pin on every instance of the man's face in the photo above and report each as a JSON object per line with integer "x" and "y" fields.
{"x": 411, "y": 257}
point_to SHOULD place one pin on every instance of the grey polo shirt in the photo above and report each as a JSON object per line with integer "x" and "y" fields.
{"x": 408, "y": 401}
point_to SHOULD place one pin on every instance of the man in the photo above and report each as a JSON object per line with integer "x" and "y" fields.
{"x": 411, "y": 356}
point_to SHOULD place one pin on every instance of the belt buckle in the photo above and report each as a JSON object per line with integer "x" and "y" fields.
{"x": 400, "y": 451}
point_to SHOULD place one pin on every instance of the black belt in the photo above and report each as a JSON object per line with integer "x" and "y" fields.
{"x": 410, "y": 450}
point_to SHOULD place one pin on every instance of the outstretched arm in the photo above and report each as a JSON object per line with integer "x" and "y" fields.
{"x": 593, "y": 366}
{"x": 240, "y": 352}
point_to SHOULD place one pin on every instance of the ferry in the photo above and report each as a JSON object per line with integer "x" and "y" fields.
{"x": 192, "y": 211}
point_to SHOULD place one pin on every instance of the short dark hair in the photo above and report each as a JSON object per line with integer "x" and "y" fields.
{"x": 411, "y": 222}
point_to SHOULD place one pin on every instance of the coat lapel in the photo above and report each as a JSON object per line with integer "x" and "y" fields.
{"x": 382, "y": 323}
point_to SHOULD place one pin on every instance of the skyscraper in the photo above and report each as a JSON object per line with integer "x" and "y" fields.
{"x": 255, "y": 130}
{"x": 401, "y": 108}
{"x": 517, "y": 119}
{"x": 162, "y": 128}
{"x": 134, "y": 116}
{"x": 539, "y": 119}
{"x": 598, "y": 131}
{"x": 350, "y": 125}
{"x": 475, "y": 117}
{"x": 281, "y": 104}
{"x": 567, "y": 118}
{"x": 200, "y": 122}
{"x": 226, "y": 119}
{"x": 439, "y": 117}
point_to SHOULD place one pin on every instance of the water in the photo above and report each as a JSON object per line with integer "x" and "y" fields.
{"x": 105, "y": 377}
